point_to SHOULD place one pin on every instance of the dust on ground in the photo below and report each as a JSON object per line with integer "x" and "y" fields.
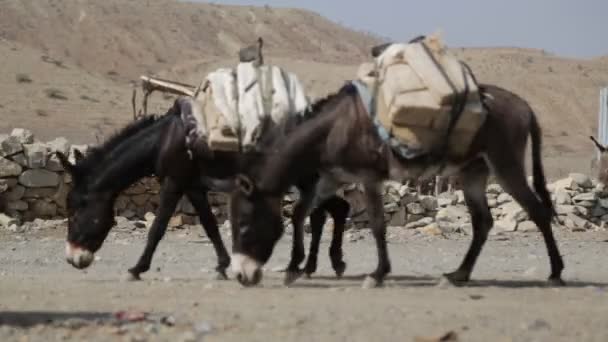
{"x": 42, "y": 298}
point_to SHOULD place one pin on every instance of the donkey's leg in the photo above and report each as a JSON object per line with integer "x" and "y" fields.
{"x": 515, "y": 183}
{"x": 376, "y": 215}
{"x": 170, "y": 195}
{"x": 300, "y": 212}
{"x": 338, "y": 208}
{"x": 201, "y": 203}
{"x": 317, "y": 221}
{"x": 474, "y": 178}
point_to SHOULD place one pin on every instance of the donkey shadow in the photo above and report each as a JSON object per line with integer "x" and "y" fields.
{"x": 407, "y": 281}
{"x": 28, "y": 319}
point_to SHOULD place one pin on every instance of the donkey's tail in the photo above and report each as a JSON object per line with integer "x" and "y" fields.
{"x": 539, "y": 180}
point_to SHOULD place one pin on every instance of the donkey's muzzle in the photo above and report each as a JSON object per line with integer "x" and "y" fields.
{"x": 78, "y": 257}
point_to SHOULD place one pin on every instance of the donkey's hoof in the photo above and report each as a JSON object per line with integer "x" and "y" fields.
{"x": 371, "y": 283}
{"x": 129, "y": 277}
{"x": 339, "y": 269}
{"x": 556, "y": 282}
{"x": 291, "y": 276}
{"x": 221, "y": 275}
{"x": 456, "y": 278}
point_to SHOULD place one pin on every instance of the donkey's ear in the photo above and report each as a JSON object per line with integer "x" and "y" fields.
{"x": 63, "y": 159}
{"x": 245, "y": 184}
{"x": 78, "y": 156}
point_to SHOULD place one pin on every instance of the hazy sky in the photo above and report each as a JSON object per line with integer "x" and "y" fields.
{"x": 576, "y": 28}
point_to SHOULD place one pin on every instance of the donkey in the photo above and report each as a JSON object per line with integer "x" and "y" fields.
{"x": 339, "y": 140}
{"x": 156, "y": 146}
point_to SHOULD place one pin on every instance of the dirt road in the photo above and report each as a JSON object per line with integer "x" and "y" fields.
{"x": 42, "y": 298}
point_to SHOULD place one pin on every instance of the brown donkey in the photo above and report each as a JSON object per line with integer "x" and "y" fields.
{"x": 338, "y": 139}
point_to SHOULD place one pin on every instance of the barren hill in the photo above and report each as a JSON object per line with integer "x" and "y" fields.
{"x": 90, "y": 50}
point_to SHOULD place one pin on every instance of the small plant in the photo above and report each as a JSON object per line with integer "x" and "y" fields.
{"x": 23, "y": 78}
{"x": 56, "y": 94}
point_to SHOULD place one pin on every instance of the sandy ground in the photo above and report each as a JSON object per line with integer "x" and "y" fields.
{"x": 42, "y": 298}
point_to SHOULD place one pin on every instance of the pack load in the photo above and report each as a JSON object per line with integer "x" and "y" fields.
{"x": 234, "y": 104}
{"x": 419, "y": 88}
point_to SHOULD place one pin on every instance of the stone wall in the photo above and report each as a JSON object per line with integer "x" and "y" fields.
{"x": 34, "y": 185}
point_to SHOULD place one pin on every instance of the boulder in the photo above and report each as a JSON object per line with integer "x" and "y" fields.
{"x": 527, "y": 226}
{"x": 420, "y": 223}
{"x": 562, "y": 197}
{"x": 494, "y": 189}
{"x": 10, "y": 145}
{"x": 581, "y": 180}
{"x": 36, "y": 155}
{"x": 506, "y": 225}
{"x": 23, "y": 135}
{"x": 39, "y": 178}
{"x": 504, "y": 198}
{"x": 60, "y": 144}
{"x": 43, "y": 209}
{"x": 9, "y": 168}
{"x": 415, "y": 209}
{"x": 429, "y": 203}
{"x": 15, "y": 194}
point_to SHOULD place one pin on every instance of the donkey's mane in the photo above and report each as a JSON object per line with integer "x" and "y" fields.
{"x": 96, "y": 154}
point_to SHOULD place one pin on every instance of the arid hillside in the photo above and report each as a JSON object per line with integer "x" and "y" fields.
{"x": 66, "y": 67}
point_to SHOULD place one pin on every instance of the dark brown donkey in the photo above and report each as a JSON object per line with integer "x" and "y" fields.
{"x": 339, "y": 140}
{"x": 155, "y": 146}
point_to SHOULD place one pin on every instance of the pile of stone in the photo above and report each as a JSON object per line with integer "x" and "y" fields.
{"x": 32, "y": 181}
{"x": 33, "y": 185}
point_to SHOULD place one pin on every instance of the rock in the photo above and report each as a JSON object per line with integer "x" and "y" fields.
{"x": 581, "y": 180}
{"x": 36, "y": 155}
{"x": 15, "y": 193}
{"x": 408, "y": 199}
{"x": 586, "y": 197}
{"x": 506, "y": 225}
{"x": 565, "y": 184}
{"x": 398, "y": 219}
{"x": 492, "y": 203}
{"x": 136, "y": 189}
{"x": 494, "y": 189}
{"x": 604, "y": 203}
{"x": 431, "y": 230}
{"x": 575, "y": 223}
{"x": 20, "y": 159}
{"x": 460, "y": 195}
{"x": 39, "y": 193}
{"x": 140, "y": 200}
{"x": 60, "y": 144}
{"x": 391, "y": 207}
{"x": 503, "y": 199}
{"x": 39, "y": 178}
{"x": 527, "y": 226}
{"x": 43, "y": 209}
{"x": 149, "y": 217}
{"x": 53, "y": 164}
{"x": 562, "y": 197}
{"x": 415, "y": 209}
{"x": 7, "y": 221}
{"x": 426, "y": 221}
{"x": 176, "y": 221}
{"x": 10, "y": 145}
{"x": 565, "y": 209}
{"x": 598, "y": 211}
{"x": 17, "y": 206}
{"x": 452, "y": 214}
{"x": 447, "y": 199}
{"x": 429, "y": 203}
{"x": 128, "y": 214}
{"x": 9, "y": 168}
{"x": 23, "y": 135}
{"x": 514, "y": 212}
{"x": 61, "y": 195}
